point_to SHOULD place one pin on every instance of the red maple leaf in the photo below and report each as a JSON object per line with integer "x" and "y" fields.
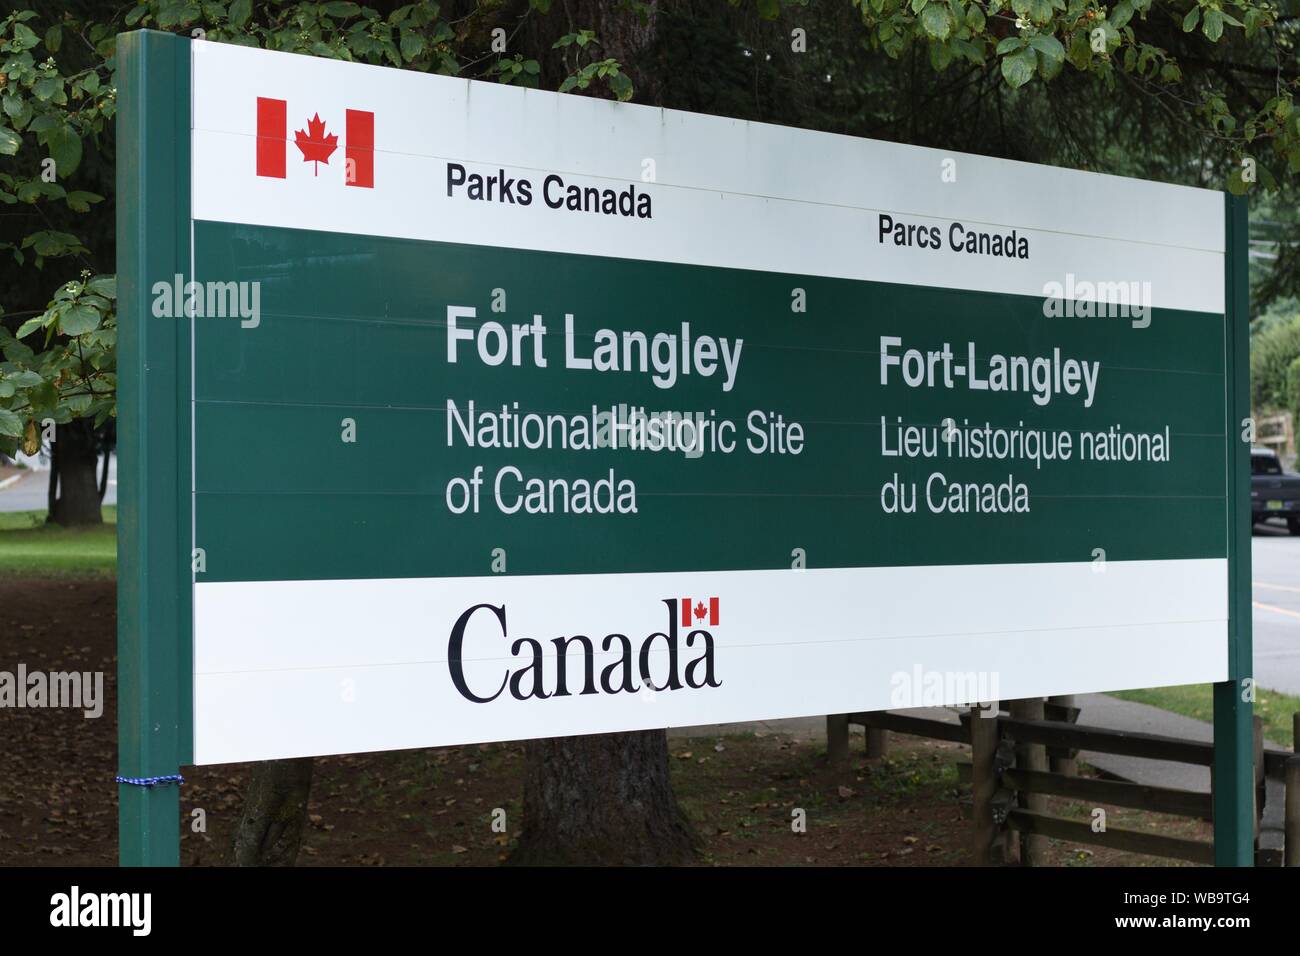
{"x": 316, "y": 147}
{"x": 700, "y": 610}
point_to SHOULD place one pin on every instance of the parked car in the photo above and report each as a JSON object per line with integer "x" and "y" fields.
{"x": 1273, "y": 492}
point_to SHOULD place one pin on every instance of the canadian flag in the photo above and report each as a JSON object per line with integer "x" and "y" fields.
{"x": 315, "y": 143}
{"x": 694, "y": 612}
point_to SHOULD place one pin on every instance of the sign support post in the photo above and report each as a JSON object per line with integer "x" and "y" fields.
{"x": 1234, "y": 778}
{"x": 154, "y": 576}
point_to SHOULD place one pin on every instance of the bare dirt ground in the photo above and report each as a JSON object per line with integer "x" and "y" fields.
{"x": 58, "y": 801}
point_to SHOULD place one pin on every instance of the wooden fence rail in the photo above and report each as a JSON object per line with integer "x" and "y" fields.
{"x": 1008, "y": 760}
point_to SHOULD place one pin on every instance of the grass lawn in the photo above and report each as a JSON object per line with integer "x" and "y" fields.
{"x": 30, "y": 547}
{"x": 1196, "y": 700}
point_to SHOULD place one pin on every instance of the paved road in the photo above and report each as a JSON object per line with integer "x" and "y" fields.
{"x": 30, "y": 492}
{"x": 1276, "y": 573}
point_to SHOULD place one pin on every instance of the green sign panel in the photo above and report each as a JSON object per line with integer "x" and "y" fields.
{"x": 455, "y": 413}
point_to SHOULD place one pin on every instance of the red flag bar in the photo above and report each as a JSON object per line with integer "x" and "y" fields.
{"x": 272, "y": 136}
{"x": 359, "y": 156}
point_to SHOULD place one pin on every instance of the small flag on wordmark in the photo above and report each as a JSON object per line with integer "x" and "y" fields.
{"x": 695, "y": 611}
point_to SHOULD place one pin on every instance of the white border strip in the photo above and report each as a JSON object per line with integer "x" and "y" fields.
{"x": 355, "y": 666}
{"x": 725, "y": 192}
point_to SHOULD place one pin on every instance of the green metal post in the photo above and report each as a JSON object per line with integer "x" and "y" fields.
{"x": 154, "y": 712}
{"x": 1234, "y": 779}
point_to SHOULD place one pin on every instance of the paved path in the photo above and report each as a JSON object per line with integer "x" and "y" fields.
{"x": 31, "y": 491}
{"x": 1275, "y": 558}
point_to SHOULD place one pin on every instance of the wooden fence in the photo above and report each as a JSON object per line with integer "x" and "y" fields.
{"x": 1009, "y": 777}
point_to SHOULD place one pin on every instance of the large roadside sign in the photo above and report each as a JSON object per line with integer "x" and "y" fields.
{"x": 453, "y": 412}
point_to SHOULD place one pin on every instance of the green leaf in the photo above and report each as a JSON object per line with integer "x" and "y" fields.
{"x": 940, "y": 56}
{"x": 79, "y": 200}
{"x": 9, "y": 141}
{"x": 341, "y": 11}
{"x": 1080, "y": 50}
{"x": 1018, "y": 68}
{"x": 1040, "y": 11}
{"x": 935, "y": 22}
{"x": 24, "y": 38}
{"x": 10, "y": 424}
{"x": 1049, "y": 68}
{"x": 31, "y": 325}
{"x": 1121, "y": 15}
{"x": 1212, "y": 26}
{"x": 1050, "y": 47}
{"x": 25, "y": 379}
{"x": 1009, "y": 44}
{"x": 973, "y": 52}
{"x": 19, "y": 352}
{"x": 78, "y": 320}
{"x": 65, "y": 149}
{"x": 103, "y": 285}
{"x": 412, "y": 45}
{"x": 621, "y": 86}
{"x": 241, "y": 11}
{"x": 1193, "y": 17}
{"x": 1236, "y": 184}
{"x": 48, "y": 88}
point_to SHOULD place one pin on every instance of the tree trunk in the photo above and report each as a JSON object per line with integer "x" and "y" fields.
{"x": 604, "y": 799}
{"x": 72, "y": 471}
{"x": 103, "y": 475}
{"x": 269, "y": 832}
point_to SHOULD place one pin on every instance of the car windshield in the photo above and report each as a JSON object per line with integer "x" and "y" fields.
{"x": 1265, "y": 465}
